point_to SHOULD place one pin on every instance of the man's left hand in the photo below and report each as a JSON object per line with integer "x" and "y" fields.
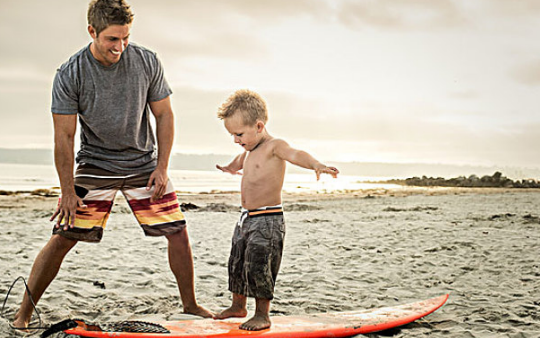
{"x": 159, "y": 180}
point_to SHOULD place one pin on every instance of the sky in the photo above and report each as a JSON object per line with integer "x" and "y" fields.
{"x": 406, "y": 81}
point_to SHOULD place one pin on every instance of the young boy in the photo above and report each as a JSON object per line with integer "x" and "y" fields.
{"x": 257, "y": 242}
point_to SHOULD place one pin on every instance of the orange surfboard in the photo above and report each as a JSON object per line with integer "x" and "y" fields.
{"x": 338, "y": 324}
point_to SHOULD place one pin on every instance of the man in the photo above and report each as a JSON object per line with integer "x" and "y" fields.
{"x": 112, "y": 87}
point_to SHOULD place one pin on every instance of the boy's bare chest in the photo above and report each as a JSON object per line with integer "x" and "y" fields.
{"x": 255, "y": 163}
{"x": 260, "y": 164}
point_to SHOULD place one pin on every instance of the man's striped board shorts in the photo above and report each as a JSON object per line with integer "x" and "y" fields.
{"x": 98, "y": 187}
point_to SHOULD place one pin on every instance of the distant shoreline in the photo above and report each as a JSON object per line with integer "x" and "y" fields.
{"x": 207, "y": 162}
{"x": 497, "y": 180}
{"x": 401, "y": 191}
{"x": 414, "y": 185}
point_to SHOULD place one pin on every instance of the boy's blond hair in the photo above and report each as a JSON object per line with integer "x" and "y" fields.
{"x": 250, "y": 104}
{"x": 104, "y": 13}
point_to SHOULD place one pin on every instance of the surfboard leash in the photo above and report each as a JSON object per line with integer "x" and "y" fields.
{"x": 40, "y": 325}
{"x": 59, "y": 327}
{"x": 124, "y": 326}
{"x": 49, "y": 329}
{"x": 131, "y": 326}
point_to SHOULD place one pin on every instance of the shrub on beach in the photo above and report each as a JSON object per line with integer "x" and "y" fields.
{"x": 497, "y": 180}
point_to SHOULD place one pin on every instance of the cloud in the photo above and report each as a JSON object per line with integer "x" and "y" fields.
{"x": 216, "y": 44}
{"x": 216, "y": 29}
{"x": 527, "y": 74}
{"x": 465, "y": 94}
{"x": 327, "y": 68}
{"x": 215, "y": 12}
{"x": 402, "y": 14}
{"x": 514, "y": 9}
{"x": 25, "y": 116}
{"x": 37, "y": 32}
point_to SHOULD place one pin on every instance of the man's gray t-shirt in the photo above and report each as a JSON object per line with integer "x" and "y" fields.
{"x": 112, "y": 103}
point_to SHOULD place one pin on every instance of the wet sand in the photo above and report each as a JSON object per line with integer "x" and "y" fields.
{"x": 343, "y": 251}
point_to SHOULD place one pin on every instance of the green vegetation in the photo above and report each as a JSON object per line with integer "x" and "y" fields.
{"x": 497, "y": 180}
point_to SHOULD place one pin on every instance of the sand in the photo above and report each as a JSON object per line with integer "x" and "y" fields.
{"x": 343, "y": 251}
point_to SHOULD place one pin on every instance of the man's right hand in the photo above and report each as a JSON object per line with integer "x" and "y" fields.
{"x": 67, "y": 210}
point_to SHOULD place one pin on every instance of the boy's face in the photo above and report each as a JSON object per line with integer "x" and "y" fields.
{"x": 109, "y": 45}
{"x": 246, "y": 136}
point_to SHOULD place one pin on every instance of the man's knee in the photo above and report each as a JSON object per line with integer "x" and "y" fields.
{"x": 179, "y": 238}
{"x": 61, "y": 243}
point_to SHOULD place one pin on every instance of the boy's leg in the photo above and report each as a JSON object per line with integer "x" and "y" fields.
{"x": 264, "y": 249}
{"x": 181, "y": 263}
{"x": 236, "y": 274}
{"x": 237, "y": 308}
{"x": 45, "y": 268}
{"x": 261, "y": 319}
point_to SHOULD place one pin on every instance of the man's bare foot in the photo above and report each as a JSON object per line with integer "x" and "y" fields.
{"x": 199, "y": 311}
{"x": 20, "y": 324}
{"x": 257, "y": 323}
{"x": 233, "y": 311}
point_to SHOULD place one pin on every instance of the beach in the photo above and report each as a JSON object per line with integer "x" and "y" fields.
{"x": 346, "y": 250}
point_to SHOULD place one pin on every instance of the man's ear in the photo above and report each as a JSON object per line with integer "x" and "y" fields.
{"x": 92, "y": 31}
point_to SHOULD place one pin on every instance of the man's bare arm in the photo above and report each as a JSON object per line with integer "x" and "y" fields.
{"x": 163, "y": 113}
{"x": 65, "y": 127}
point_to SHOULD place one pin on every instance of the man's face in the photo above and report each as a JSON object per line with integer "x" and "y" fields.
{"x": 247, "y": 137}
{"x": 109, "y": 45}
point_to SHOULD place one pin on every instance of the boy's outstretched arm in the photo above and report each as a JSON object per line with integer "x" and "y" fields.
{"x": 302, "y": 159}
{"x": 235, "y": 166}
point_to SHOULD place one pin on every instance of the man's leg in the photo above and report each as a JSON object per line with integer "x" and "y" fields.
{"x": 181, "y": 263}
{"x": 45, "y": 268}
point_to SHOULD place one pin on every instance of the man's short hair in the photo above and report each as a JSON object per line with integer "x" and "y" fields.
{"x": 104, "y": 13}
{"x": 250, "y": 104}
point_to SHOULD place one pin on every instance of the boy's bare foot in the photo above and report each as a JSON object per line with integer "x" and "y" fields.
{"x": 233, "y": 311}
{"x": 199, "y": 311}
{"x": 258, "y": 322}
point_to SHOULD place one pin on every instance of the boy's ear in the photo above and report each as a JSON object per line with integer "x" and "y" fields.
{"x": 260, "y": 126}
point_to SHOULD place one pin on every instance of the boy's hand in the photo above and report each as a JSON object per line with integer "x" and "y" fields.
{"x": 228, "y": 170}
{"x": 326, "y": 170}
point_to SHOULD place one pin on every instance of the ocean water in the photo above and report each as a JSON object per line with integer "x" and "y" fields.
{"x": 28, "y": 177}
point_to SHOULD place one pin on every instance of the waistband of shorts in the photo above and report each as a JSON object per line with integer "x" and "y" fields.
{"x": 264, "y": 211}
{"x": 93, "y": 171}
